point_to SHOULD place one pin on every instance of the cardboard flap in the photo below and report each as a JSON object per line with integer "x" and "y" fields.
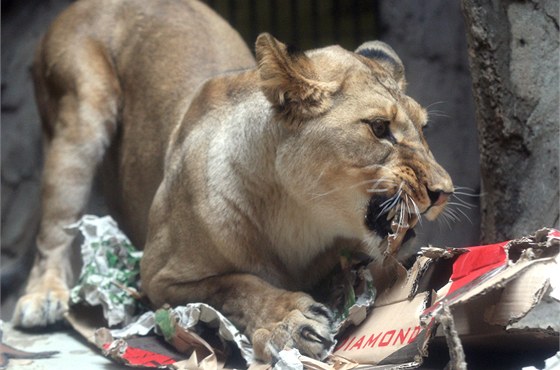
{"x": 389, "y": 276}
{"x": 543, "y": 318}
{"x": 389, "y": 332}
{"x": 394, "y": 283}
{"x": 522, "y": 294}
{"x": 477, "y": 262}
{"x": 494, "y": 279}
{"x": 482, "y": 270}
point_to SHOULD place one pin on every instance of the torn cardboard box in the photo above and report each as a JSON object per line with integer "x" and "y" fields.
{"x": 495, "y": 294}
{"x": 507, "y": 293}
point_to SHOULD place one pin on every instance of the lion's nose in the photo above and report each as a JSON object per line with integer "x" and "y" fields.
{"x": 438, "y": 196}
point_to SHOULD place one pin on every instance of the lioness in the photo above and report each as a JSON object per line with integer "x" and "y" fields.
{"x": 241, "y": 182}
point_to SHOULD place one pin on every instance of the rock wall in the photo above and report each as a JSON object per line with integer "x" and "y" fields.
{"x": 514, "y": 59}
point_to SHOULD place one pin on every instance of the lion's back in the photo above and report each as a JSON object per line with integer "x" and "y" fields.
{"x": 160, "y": 52}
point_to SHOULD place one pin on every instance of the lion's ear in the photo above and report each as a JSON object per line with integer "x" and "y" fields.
{"x": 383, "y": 54}
{"x": 289, "y": 81}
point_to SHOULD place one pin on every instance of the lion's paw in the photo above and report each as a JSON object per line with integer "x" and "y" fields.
{"x": 308, "y": 330}
{"x": 40, "y": 309}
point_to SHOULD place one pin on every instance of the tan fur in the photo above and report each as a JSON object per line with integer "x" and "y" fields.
{"x": 243, "y": 188}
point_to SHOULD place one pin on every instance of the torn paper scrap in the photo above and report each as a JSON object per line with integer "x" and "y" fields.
{"x": 110, "y": 272}
{"x": 187, "y": 317}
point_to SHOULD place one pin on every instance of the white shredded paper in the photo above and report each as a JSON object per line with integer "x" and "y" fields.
{"x": 110, "y": 271}
{"x": 289, "y": 360}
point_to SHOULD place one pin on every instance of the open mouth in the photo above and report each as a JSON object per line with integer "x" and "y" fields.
{"x": 390, "y": 218}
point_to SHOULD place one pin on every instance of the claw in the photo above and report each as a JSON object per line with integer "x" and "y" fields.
{"x": 311, "y": 335}
{"x": 320, "y": 310}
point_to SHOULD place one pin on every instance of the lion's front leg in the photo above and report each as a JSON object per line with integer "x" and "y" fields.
{"x": 305, "y": 325}
{"x": 274, "y": 319}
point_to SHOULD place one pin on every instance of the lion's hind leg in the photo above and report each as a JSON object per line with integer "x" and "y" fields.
{"x": 78, "y": 97}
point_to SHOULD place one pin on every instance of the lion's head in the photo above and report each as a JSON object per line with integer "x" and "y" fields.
{"x": 356, "y": 153}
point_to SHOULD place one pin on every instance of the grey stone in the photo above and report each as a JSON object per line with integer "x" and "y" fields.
{"x": 513, "y": 50}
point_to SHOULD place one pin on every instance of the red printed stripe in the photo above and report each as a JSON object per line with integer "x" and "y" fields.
{"x": 137, "y": 356}
{"x": 475, "y": 263}
{"x": 141, "y": 357}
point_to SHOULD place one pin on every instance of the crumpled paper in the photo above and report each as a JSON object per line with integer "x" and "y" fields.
{"x": 351, "y": 291}
{"x": 111, "y": 269}
{"x": 110, "y": 278}
{"x": 188, "y": 317}
{"x": 180, "y": 327}
{"x": 289, "y": 360}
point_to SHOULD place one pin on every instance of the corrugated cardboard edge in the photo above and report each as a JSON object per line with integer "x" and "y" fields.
{"x": 543, "y": 318}
{"x": 86, "y": 320}
{"x": 522, "y": 294}
{"x": 515, "y": 302}
{"x": 497, "y": 279}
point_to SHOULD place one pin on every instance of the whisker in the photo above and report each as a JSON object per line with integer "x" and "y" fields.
{"x": 438, "y": 114}
{"x": 414, "y": 206}
{"x": 414, "y": 209}
{"x": 315, "y": 196}
{"x": 388, "y": 207}
{"x": 394, "y": 198}
{"x": 444, "y": 219}
{"x": 380, "y": 166}
{"x": 408, "y": 210}
{"x": 400, "y": 224}
{"x": 462, "y": 205}
{"x": 435, "y": 103}
{"x": 464, "y": 188}
{"x": 451, "y": 212}
{"x": 464, "y": 202}
{"x": 393, "y": 202}
{"x": 435, "y": 111}
{"x": 377, "y": 190}
{"x": 461, "y": 192}
{"x": 464, "y": 214}
{"x": 398, "y": 220}
{"x": 448, "y": 220}
{"x": 466, "y": 191}
{"x": 407, "y": 202}
{"x": 472, "y": 195}
{"x": 458, "y": 200}
{"x": 374, "y": 188}
{"x": 406, "y": 205}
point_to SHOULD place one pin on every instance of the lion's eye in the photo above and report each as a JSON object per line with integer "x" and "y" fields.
{"x": 380, "y": 128}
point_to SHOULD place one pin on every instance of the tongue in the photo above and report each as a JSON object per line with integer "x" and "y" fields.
{"x": 400, "y": 232}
